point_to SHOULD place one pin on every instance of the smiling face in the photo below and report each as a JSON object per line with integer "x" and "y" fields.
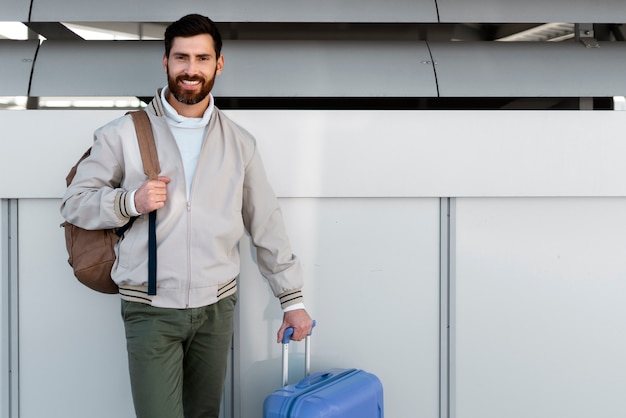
{"x": 191, "y": 68}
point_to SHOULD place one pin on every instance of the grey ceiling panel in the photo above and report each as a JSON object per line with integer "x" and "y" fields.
{"x": 98, "y": 68}
{"x": 17, "y": 59}
{"x": 14, "y": 10}
{"x": 529, "y": 69}
{"x": 252, "y": 69}
{"x": 235, "y": 10}
{"x": 532, "y": 11}
{"x": 326, "y": 69}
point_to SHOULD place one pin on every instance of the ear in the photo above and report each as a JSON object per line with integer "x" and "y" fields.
{"x": 220, "y": 65}
{"x": 165, "y": 63}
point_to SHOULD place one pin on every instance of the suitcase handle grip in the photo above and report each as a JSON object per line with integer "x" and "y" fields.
{"x": 313, "y": 380}
{"x": 289, "y": 332}
{"x": 321, "y": 377}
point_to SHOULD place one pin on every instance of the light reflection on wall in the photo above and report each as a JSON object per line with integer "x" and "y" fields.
{"x": 20, "y": 103}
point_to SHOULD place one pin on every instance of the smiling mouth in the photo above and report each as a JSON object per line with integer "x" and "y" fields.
{"x": 190, "y": 84}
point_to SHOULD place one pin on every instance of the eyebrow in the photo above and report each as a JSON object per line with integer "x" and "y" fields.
{"x": 184, "y": 54}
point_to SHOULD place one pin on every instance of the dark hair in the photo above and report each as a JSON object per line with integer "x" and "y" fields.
{"x": 192, "y": 25}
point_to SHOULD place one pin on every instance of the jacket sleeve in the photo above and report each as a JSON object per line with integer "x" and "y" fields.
{"x": 94, "y": 199}
{"x": 264, "y": 221}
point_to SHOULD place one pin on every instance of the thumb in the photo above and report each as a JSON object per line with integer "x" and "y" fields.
{"x": 164, "y": 179}
{"x": 281, "y": 332}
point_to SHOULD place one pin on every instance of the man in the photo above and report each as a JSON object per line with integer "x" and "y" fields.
{"x": 211, "y": 188}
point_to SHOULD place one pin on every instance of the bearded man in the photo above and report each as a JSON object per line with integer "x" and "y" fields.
{"x": 212, "y": 188}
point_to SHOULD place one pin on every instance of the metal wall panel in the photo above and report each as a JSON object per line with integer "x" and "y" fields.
{"x": 253, "y": 69}
{"x": 326, "y": 69}
{"x": 532, "y": 11}
{"x": 98, "y": 68}
{"x": 540, "y": 287}
{"x": 236, "y": 10}
{"x": 371, "y": 274}
{"x": 17, "y": 59}
{"x": 367, "y": 153}
{"x": 71, "y": 339}
{"x": 529, "y": 69}
{"x": 335, "y": 69}
{"x": 14, "y": 10}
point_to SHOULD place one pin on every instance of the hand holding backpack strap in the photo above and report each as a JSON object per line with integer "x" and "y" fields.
{"x": 152, "y": 168}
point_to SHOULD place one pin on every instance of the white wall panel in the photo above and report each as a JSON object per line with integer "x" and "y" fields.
{"x": 363, "y": 285}
{"x": 371, "y": 269}
{"x": 60, "y": 138}
{"x": 237, "y": 10}
{"x": 72, "y": 347}
{"x": 540, "y": 287}
{"x": 540, "y": 11}
{"x": 367, "y": 153}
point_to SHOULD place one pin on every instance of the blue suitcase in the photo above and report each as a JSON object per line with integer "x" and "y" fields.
{"x": 334, "y": 393}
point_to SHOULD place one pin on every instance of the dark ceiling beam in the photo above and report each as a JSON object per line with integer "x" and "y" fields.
{"x": 52, "y": 31}
{"x": 619, "y": 32}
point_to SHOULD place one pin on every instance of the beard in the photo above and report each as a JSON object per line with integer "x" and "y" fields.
{"x": 189, "y": 97}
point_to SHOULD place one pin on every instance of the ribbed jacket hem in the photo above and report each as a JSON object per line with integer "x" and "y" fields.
{"x": 173, "y": 298}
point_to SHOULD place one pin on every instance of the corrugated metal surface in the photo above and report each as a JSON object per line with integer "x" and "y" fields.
{"x": 529, "y": 69}
{"x": 541, "y": 11}
{"x": 252, "y": 69}
{"x": 237, "y": 10}
{"x": 14, "y": 10}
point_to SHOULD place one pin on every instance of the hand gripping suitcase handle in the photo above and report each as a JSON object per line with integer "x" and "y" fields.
{"x": 307, "y": 353}
{"x": 289, "y": 332}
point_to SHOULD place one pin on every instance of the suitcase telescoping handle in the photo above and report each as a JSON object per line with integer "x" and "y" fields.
{"x": 307, "y": 353}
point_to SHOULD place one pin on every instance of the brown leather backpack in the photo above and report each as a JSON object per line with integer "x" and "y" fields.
{"x": 91, "y": 252}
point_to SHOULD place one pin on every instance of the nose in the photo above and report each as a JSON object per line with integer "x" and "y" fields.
{"x": 191, "y": 67}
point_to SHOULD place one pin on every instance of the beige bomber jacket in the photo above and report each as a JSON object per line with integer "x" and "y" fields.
{"x": 197, "y": 238}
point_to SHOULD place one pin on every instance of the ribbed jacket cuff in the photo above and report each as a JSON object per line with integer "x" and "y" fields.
{"x": 123, "y": 206}
{"x": 290, "y": 297}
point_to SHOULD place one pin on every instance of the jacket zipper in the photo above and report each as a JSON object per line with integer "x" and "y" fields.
{"x": 189, "y": 275}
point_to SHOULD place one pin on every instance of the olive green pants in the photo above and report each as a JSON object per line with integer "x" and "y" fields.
{"x": 177, "y": 358}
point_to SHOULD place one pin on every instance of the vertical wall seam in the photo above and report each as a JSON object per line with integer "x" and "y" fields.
{"x": 30, "y": 10}
{"x": 13, "y": 309}
{"x": 452, "y": 309}
{"x": 32, "y": 69}
{"x": 434, "y": 64}
{"x": 447, "y": 311}
{"x": 5, "y": 317}
{"x": 444, "y": 340}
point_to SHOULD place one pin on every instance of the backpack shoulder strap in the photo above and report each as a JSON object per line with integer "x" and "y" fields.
{"x": 147, "y": 147}
{"x": 152, "y": 168}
